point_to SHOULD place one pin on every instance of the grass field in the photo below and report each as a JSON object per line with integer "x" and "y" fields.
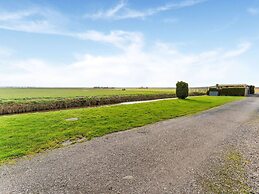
{"x": 38, "y": 93}
{"x": 31, "y": 133}
{"x": 21, "y": 100}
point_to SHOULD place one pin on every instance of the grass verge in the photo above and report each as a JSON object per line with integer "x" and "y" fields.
{"x": 26, "y": 134}
{"x": 227, "y": 176}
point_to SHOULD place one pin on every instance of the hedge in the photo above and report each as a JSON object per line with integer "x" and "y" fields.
{"x": 182, "y": 90}
{"x": 252, "y": 89}
{"x": 65, "y": 103}
{"x": 238, "y": 91}
{"x": 213, "y": 89}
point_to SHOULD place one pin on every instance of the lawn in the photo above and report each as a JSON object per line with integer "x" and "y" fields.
{"x": 26, "y": 134}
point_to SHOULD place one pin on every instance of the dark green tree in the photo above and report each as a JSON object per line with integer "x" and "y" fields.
{"x": 182, "y": 90}
{"x": 252, "y": 89}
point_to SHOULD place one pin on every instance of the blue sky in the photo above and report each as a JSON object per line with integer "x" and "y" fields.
{"x": 77, "y": 43}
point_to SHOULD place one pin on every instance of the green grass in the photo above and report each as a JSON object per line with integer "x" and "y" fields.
{"x": 23, "y": 95}
{"x": 38, "y": 93}
{"x": 26, "y": 134}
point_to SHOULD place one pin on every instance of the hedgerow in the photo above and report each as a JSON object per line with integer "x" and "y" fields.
{"x": 232, "y": 91}
{"x": 14, "y": 107}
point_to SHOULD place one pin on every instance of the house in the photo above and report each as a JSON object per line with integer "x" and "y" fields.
{"x": 231, "y": 90}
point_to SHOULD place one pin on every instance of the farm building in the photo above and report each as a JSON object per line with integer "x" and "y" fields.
{"x": 231, "y": 90}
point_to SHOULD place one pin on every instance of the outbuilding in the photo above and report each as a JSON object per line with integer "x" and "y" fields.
{"x": 231, "y": 90}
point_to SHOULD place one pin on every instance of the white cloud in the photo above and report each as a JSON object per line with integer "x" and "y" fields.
{"x": 110, "y": 12}
{"x": 253, "y": 11}
{"x": 46, "y": 21}
{"x": 161, "y": 65}
{"x": 120, "y": 39}
{"x": 6, "y": 16}
{"x": 4, "y": 52}
{"x": 35, "y": 20}
{"x": 242, "y": 48}
{"x": 122, "y": 11}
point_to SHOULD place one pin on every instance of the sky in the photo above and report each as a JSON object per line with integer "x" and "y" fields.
{"x": 128, "y": 43}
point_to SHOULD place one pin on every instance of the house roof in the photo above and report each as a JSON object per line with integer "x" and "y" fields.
{"x": 232, "y": 85}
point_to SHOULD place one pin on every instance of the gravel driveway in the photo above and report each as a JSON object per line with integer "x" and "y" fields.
{"x": 158, "y": 158}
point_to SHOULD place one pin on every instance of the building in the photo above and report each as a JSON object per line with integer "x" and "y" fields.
{"x": 231, "y": 90}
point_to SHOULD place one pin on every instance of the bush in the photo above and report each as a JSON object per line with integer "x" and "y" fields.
{"x": 213, "y": 89}
{"x": 232, "y": 91}
{"x": 182, "y": 90}
{"x": 252, "y": 89}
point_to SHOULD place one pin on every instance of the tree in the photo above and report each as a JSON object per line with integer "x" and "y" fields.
{"x": 182, "y": 90}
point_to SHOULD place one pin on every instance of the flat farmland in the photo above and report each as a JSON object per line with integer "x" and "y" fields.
{"x": 21, "y": 100}
{"x": 38, "y": 93}
{"x": 26, "y": 93}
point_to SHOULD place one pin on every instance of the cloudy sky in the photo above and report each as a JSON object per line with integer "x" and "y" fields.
{"x": 82, "y": 43}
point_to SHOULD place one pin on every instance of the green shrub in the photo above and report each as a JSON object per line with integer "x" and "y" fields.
{"x": 213, "y": 89}
{"x": 182, "y": 90}
{"x": 232, "y": 91}
{"x": 252, "y": 89}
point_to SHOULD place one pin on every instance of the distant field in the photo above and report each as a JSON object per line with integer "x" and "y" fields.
{"x": 21, "y": 100}
{"x": 31, "y": 133}
{"x": 35, "y": 93}
{"x": 257, "y": 90}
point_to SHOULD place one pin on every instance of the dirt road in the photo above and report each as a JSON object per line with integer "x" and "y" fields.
{"x": 158, "y": 158}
